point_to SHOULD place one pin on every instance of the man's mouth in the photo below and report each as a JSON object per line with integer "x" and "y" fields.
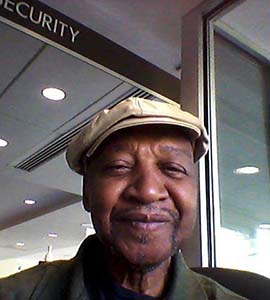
{"x": 144, "y": 220}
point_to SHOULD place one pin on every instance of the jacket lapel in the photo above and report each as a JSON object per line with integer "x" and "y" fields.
{"x": 87, "y": 257}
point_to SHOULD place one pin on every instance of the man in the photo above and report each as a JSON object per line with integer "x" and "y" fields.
{"x": 138, "y": 162}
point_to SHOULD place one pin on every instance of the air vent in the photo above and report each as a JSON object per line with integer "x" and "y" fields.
{"x": 60, "y": 144}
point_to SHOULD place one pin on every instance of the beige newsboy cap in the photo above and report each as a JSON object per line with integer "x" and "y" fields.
{"x": 129, "y": 113}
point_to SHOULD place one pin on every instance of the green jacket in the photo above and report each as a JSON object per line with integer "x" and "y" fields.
{"x": 64, "y": 280}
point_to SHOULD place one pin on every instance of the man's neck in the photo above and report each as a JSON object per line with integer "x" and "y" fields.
{"x": 148, "y": 281}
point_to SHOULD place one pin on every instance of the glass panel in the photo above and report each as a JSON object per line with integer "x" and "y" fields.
{"x": 242, "y": 103}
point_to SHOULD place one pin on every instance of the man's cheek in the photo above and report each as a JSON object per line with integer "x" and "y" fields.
{"x": 186, "y": 200}
{"x": 100, "y": 211}
{"x": 101, "y": 224}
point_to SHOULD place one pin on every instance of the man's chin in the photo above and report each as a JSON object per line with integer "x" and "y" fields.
{"x": 143, "y": 257}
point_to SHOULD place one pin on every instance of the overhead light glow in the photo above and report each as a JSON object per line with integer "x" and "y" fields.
{"x": 248, "y": 170}
{"x": 20, "y": 244}
{"x": 29, "y": 201}
{"x": 54, "y": 94}
{"x": 264, "y": 226}
{"x": 3, "y": 143}
{"x": 52, "y": 235}
{"x": 87, "y": 225}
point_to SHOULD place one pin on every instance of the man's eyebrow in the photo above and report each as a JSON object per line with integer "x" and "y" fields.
{"x": 177, "y": 150}
{"x": 120, "y": 147}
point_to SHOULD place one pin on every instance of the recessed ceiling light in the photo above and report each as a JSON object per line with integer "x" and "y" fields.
{"x": 20, "y": 244}
{"x": 54, "y": 94}
{"x": 52, "y": 235}
{"x": 3, "y": 143}
{"x": 29, "y": 201}
{"x": 246, "y": 170}
{"x": 264, "y": 226}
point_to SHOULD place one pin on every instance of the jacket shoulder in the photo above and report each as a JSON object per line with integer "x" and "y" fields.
{"x": 216, "y": 291}
{"x": 23, "y": 285}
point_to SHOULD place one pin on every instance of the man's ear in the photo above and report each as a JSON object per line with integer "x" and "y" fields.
{"x": 86, "y": 200}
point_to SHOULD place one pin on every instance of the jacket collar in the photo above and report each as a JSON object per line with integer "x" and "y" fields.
{"x": 77, "y": 289}
{"x": 185, "y": 283}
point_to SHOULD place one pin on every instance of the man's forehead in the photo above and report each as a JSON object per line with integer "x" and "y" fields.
{"x": 177, "y": 150}
{"x": 167, "y": 138}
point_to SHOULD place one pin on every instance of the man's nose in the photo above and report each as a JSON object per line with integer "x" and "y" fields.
{"x": 147, "y": 186}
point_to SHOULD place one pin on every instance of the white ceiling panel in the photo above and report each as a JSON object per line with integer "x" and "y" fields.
{"x": 21, "y": 137}
{"x": 16, "y": 50}
{"x": 84, "y": 85}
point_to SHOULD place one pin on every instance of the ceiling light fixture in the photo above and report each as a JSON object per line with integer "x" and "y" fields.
{"x": 3, "y": 143}
{"x": 248, "y": 170}
{"x": 54, "y": 94}
{"x": 20, "y": 244}
{"x": 52, "y": 235}
{"x": 29, "y": 201}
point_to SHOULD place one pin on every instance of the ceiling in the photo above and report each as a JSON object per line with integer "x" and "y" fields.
{"x": 150, "y": 29}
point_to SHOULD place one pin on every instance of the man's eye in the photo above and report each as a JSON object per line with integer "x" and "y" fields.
{"x": 117, "y": 169}
{"x": 174, "y": 170}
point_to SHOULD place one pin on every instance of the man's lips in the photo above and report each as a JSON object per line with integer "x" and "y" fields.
{"x": 144, "y": 217}
{"x": 144, "y": 220}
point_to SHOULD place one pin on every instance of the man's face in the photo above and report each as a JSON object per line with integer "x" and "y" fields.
{"x": 141, "y": 189}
